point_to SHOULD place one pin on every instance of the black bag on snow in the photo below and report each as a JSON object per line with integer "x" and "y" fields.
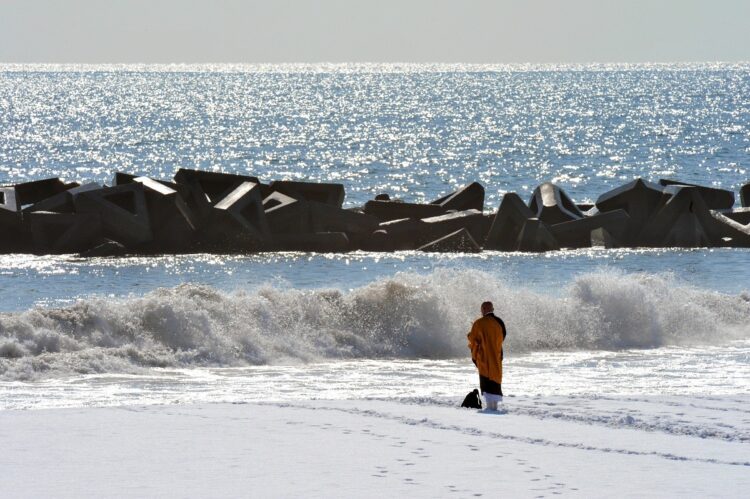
{"x": 472, "y": 400}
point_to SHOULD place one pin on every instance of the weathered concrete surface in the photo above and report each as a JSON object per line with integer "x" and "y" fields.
{"x": 470, "y": 197}
{"x": 123, "y": 211}
{"x": 733, "y": 233}
{"x": 459, "y": 241}
{"x": 13, "y": 237}
{"x": 395, "y": 210}
{"x": 286, "y": 215}
{"x": 508, "y": 223}
{"x": 640, "y": 199}
{"x": 682, "y": 220}
{"x": 173, "y": 223}
{"x": 577, "y": 233}
{"x": 238, "y": 222}
{"x": 552, "y": 205}
{"x": 209, "y": 188}
{"x": 471, "y": 220}
{"x": 331, "y": 194}
{"x": 122, "y": 178}
{"x": 741, "y": 215}
{"x": 535, "y": 236}
{"x": 62, "y": 202}
{"x": 29, "y": 193}
{"x": 60, "y": 233}
{"x": 745, "y": 196}
{"x": 715, "y": 199}
{"x": 397, "y": 235}
{"x": 357, "y": 226}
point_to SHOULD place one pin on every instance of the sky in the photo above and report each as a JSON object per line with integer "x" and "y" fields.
{"x": 311, "y": 31}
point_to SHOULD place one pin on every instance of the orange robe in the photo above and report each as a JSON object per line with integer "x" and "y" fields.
{"x": 486, "y": 345}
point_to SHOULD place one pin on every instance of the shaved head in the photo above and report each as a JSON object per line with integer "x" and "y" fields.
{"x": 487, "y": 308}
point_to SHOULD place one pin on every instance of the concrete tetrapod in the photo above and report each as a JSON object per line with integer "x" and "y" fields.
{"x": 734, "y": 233}
{"x": 13, "y": 238}
{"x": 357, "y": 226}
{"x": 715, "y": 199}
{"x": 459, "y": 241}
{"x": 577, "y": 233}
{"x": 397, "y": 235}
{"x": 330, "y": 194}
{"x": 29, "y": 193}
{"x": 238, "y": 221}
{"x": 173, "y": 223}
{"x": 64, "y": 232}
{"x": 508, "y": 223}
{"x": 286, "y": 215}
{"x": 640, "y": 199}
{"x": 745, "y": 195}
{"x": 552, "y": 205}
{"x": 741, "y": 215}
{"x": 396, "y": 210}
{"x": 439, "y": 226}
{"x": 62, "y": 202}
{"x": 123, "y": 212}
{"x": 467, "y": 198}
{"x": 683, "y": 220}
{"x": 535, "y": 236}
{"x": 209, "y": 188}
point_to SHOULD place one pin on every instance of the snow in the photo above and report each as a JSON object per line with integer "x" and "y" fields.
{"x": 577, "y": 446}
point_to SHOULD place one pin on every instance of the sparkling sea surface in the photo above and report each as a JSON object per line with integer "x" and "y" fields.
{"x": 415, "y": 132}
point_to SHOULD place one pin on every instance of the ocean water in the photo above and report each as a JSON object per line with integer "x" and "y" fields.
{"x": 193, "y": 328}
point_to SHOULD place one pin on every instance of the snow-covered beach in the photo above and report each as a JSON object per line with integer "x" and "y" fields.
{"x": 665, "y": 446}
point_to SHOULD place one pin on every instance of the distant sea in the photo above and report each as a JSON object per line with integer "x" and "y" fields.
{"x": 209, "y": 327}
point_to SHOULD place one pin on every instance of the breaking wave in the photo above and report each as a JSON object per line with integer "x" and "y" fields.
{"x": 406, "y": 316}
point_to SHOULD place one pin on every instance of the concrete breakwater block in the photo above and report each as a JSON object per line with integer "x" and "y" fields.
{"x": 286, "y": 214}
{"x": 459, "y": 241}
{"x": 733, "y": 233}
{"x": 122, "y": 178}
{"x": 317, "y": 242}
{"x": 396, "y": 210}
{"x": 173, "y": 223}
{"x": 231, "y": 212}
{"x": 472, "y": 220}
{"x": 640, "y": 199}
{"x": 356, "y": 225}
{"x": 741, "y": 215}
{"x": 535, "y": 236}
{"x": 508, "y": 223}
{"x": 577, "y": 233}
{"x": 330, "y": 194}
{"x": 396, "y": 235}
{"x": 552, "y": 205}
{"x": 29, "y": 193}
{"x": 64, "y": 232}
{"x": 682, "y": 220}
{"x": 123, "y": 212}
{"x": 10, "y": 208}
{"x": 470, "y": 197}
{"x": 208, "y": 188}
{"x": 745, "y": 196}
{"x": 239, "y": 220}
{"x": 62, "y": 202}
{"x": 715, "y": 199}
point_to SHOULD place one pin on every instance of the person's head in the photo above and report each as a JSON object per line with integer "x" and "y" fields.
{"x": 487, "y": 308}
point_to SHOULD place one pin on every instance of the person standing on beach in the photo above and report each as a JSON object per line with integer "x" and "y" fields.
{"x": 486, "y": 345}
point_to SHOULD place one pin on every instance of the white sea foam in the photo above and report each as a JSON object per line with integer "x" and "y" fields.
{"x": 406, "y": 316}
